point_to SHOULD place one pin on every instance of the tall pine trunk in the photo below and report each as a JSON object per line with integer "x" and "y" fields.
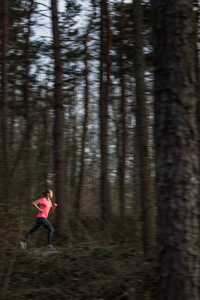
{"x": 26, "y": 87}
{"x": 105, "y": 68}
{"x": 142, "y": 134}
{"x": 27, "y": 156}
{"x": 177, "y": 159}
{"x": 85, "y": 122}
{"x": 14, "y": 85}
{"x": 4, "y": 86}
{"x": 59, "y": 161}
{"x": 4, "y": 109}
{"x": 122, "y": 122}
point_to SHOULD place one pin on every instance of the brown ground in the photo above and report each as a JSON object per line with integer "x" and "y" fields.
{"x": 85, "y": 271}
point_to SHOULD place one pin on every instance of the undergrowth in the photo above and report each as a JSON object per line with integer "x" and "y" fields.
{"x": 92, "y": 260}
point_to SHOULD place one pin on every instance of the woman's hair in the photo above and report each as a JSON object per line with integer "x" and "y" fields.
{"x": 46, "y": 192}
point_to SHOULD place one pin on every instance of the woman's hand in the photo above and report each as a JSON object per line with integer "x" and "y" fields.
{"x": 54, "y": 206}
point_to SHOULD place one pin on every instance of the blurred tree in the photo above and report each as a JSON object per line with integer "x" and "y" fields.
{"x": 5, "y": 150}
{"x": 26, "y": 83}
{"x": 142, "y": 132}
{"x": 72, "y": 57}
{"x": 4, "y": 86}
{"x": 177, "y": 157}
{"x": 59, "y": 125}
{"x": 86, "y": 112}
{"x": 122, "y": 123}
{"x": 28, "y": 157}
{"x": 105, "y": 72}
{"x": 13, "y": 70}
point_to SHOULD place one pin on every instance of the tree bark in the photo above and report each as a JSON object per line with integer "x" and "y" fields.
{"x": 85, "y": 122}
{"x": 4, "y": 87}
{"x": 4, "y": 110}
{"x": 105, "y": 68}
{"x": 14, "y": 85}
{"x": 177, "y": 159}
{"x": 59, "y": 125}
{"x": 26, "y": 88}
{"x": 122, "y": 124}
{"x": 142, "y": 135}
{"x": 28, "y": 151}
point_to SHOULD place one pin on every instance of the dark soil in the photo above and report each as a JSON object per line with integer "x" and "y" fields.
{"x": 86, "y": 273}
{"x": 112, "y": 268}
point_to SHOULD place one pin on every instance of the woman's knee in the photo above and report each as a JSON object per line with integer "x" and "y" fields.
{"x": 51, "y": 229}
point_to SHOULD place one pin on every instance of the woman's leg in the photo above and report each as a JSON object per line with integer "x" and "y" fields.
{"x": 50, "y": 229}
{"x": 33, "y": 229}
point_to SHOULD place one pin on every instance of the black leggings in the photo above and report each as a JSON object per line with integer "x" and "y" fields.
{"x": 41, "y": 222}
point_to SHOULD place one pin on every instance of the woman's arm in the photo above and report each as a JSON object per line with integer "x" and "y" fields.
{"x": 53, "y": 207}
{"x": 35, "y": 203}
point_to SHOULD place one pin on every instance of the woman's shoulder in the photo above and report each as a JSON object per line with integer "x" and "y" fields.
{"x": 41, "y": 200}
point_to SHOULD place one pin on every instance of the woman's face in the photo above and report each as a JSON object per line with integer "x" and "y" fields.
{"x": 51, "y": 194}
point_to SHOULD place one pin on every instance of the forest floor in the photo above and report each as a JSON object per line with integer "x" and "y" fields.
{"x": 105, "y": 270}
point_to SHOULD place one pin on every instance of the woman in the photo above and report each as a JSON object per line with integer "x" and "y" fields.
{"x": 44, "y": 208}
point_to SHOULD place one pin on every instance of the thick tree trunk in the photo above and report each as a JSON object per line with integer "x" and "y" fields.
{"x": 105, "y": 66}
{"x": 177, "y": 159}
{"x": 142, "y": 134}
{"x": 58, "y": 126}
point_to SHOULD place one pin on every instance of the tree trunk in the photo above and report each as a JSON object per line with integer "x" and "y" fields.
{"x": 177, "y": 159}
{"x": 14, "y": 85}
{"x": 105, "y": 66}
{"x": 4, "y": 87}
{"x": 122, "y": 123}
{"x": 28, "y": 151}
{"x": 85, "y": 122}
{"x": 58, "y": 126}
{"x": 4, "y": 110}
{"x": 26, "y": 89}
{"x": 142, "y": 134}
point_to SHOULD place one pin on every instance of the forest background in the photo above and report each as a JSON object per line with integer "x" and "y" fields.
{"x": 78, "y": 116}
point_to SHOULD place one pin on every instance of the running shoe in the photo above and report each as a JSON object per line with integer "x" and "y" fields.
{"x": 23, "y": 244}
{"x": 50, "y": 247}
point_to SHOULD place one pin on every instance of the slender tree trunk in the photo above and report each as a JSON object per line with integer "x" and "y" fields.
{"x": 59, "y": 125}
{"x": 73, "y": 154}
{"x": 196, "y": 6}
{"x": 14, "y": 86}
{"x": 4, "y": 88}
{"x": 105, "y": 66}
{"x": 4, "y": 109}
{"x": 45, "y": 142}
{"x": 27, "y": 155}
{"x": 122, "y": 131}
{"x": 177, "y": 157}
{"x": 26, "y": 88}
{"x": 142, "y": 134}
{"x": 137, "y": 209}
{"x": 85, "y": 122}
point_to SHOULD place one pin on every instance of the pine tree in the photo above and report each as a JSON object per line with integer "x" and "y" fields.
{"x": 177, "y": 156}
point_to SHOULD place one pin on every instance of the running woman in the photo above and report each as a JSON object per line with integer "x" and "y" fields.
{"x": 44, "y": 207}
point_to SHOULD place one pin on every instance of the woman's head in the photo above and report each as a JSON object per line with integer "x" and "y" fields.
{"x": 48, "y": 193}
